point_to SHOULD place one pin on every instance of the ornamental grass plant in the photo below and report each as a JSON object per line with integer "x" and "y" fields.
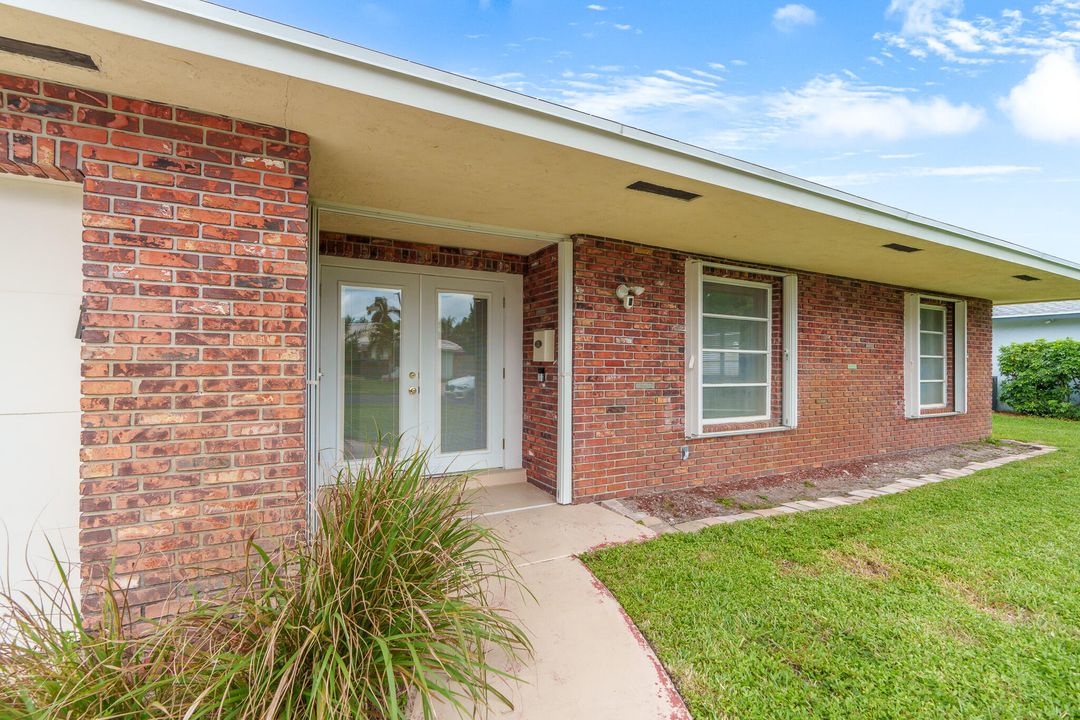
{"x": 386, "y": 610}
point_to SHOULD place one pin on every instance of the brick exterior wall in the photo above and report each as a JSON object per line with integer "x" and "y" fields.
{"x": 362, "y": 247}
{"x": 541, "y": 401}
{"x": 629, "y": 384}
{"x": 195, "y": 249}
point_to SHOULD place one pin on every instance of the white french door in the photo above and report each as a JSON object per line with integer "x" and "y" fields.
{"x": 412, "y": 354}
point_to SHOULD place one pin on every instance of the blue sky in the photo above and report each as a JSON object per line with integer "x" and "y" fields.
{"x": 967, "y": 112}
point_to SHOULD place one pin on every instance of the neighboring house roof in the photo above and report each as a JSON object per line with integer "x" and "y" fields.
{"x": 1065, "y": 307}
{"x": 495, "y": 166}
{"x": 450, "y": 346}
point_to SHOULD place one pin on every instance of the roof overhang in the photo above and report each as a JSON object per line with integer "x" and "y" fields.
{"x": 408, "y": 139}
{"x": 1039, "y": 316}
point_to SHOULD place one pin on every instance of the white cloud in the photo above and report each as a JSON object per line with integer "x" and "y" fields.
{"x": 831, "y": 107}
{"x": 597, "y": 8}
{"x": 688, "y": 103}
{"x": 791, "y": 16}
{"x": 709, "y": 75}
{"x": 1046, "y": 104}
{"x": 619, "y": 26}
{"x": 1055, "y": 7}
{"x": 624, "y": 97}
{"x": 974, "y": 172}
{"x": 922, "y": 16}
{"x": 671, "y": 74}
{"x": 936, "y": 27}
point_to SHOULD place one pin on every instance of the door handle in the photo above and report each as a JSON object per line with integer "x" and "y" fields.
{"x": 413, "y": 390}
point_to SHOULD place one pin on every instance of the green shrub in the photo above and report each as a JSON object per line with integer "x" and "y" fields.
{"x": 390, "y": 600}
{"x": 1041, "y": 377}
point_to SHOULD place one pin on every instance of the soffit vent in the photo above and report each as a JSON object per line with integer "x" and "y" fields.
{"x": 47, "y": 52}
{"x": 902, "y": 248}
{"x": 1026, "y": 278}
{"x": 642, "y": 186}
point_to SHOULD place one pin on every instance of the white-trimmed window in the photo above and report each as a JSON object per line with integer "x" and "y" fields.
{"x": 730, "y": 353}
{"x": 934, "y": 382}
{"x": 736, "y": 351}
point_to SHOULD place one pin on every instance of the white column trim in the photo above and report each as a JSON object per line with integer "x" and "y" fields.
{"x": 960, "y": 341}
{"x": 564, "y": 488}
{"x": 312, "y": 371}
{"x": 912, "y": 301}
{"x": 692, "y": 344}
{"x": 790, "y": 383}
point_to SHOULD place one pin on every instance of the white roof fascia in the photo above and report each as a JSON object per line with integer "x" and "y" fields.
{"x": 231, "y": 35}
{"x": 1030, "y": 316}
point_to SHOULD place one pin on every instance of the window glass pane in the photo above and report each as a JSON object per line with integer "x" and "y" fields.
{"x": 736, "y": 300}
{"x": 371, "y": 349}
{"x": 933, "y": 320}
{"x": 932, "y": 369}
{"x": 463, "y": 357}
{"x": 730, "y": 367}
{"x": 736, "y": 402}
{"x": 728, "y": 334}
{"x": 931, "y": 344}
{"x": 932, "y": 393}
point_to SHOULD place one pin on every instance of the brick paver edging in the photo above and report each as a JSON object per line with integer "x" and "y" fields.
{"x": 852, "y": 498}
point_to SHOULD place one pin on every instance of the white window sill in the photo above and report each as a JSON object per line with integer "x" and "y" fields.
{"x": 748, "y": 431}
{"x": 928, "y": 416}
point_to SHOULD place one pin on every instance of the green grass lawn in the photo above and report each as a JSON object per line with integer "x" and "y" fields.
{"x": 954, "y": 600}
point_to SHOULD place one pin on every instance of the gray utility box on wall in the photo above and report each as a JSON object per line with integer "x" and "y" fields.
{"x": 544, "y": 346}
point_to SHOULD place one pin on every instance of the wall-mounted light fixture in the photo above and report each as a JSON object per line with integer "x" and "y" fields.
{"x": 627, "y": 293}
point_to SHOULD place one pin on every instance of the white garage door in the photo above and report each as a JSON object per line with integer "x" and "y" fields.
{"x": 40, "y": 292}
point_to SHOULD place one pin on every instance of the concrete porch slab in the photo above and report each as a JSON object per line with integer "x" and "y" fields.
{"x": 559, "y": 531}
{"x": 513, "y": 497}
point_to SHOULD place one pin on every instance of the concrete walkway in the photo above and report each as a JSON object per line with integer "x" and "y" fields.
{"x": 589, "y": 660}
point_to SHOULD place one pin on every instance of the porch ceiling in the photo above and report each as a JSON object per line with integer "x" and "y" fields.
{"x": 433, "y": 144}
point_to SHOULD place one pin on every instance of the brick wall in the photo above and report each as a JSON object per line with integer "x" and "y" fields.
{"x": 363, "y": 247}
{"x": 541, "y": 401}
{"x": 629, "y": 379}
{"x": 195, "y": 249}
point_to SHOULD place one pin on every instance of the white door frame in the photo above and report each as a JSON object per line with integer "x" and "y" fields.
{"x": 511, "y": 409}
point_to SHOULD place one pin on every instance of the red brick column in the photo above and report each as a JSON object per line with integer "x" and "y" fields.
{"x": 540, "y": 405}
{"x": 195, "y": 249}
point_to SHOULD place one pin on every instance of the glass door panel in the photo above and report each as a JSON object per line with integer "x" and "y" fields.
{"x": 369, "y": 334}
{"x": 462, "y": 373}
{"x": 371, "y": 367}
{"x": 463, "y": 354}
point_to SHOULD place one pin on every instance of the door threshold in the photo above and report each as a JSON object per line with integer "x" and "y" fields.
{"x": 495, "y": 477}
